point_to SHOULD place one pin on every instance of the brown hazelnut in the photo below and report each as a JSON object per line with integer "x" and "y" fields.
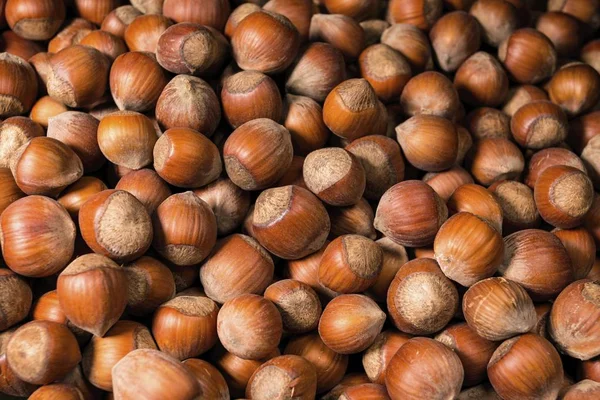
{"x": 382, "y": 161}
{"x": 168, "y": 376}
{"x": 18, "y": 46}
{"x": 45, "y": 108}
{"x": 299, "y": 12}
{"x": 188, "y": 102}
{"x": 454, "y": 38}
{"x": 486, "y": 122}
{"x": 420, "y": 299}
{"x": 117, "y": 21}
{"x": 108, "y": 44}
{"x": 304, "y": 121}
{"x": 306, "y": 270}
{"x": 265, "y": 41}
{"x": 34, "y": 19}
{"x": 150, "y": 284}
{"x": 330, "y": 366}
{"x": 14, "y": 133}
{"x": 538, "y": 261}
{"x": 116, "y": 224}
{"x": 102, "y": 353}
{"x": 526, "y": 366}
{"x": 497, "y": 309}
{"x": 70, "y": 35}
{"x": 581, "y": 248}
{"x": 316, "y": 72}
{"x": 9, "y": 191}
{"x": 37, "y": 236}
{"x": 429, "y": 142}
{"x": 57, "y": 391}
{"x": 356, "y": 219}
{"x": 563, "y": 30}
{"x": 377, "y": 357}
{"x": 518, "y": 206}
{"x": 212, "y": 13}
{"x": 430, "y": 93}
{"x": 474, "y": 351}
{"x": 340, "y": 31}
{"x": 212, "y": 383}
{"x": 186, "y": 158}
{"x": 143, "y": 33}
{"x": 283, "y": 377}
{"x": 365, "y": 391}
{"x": 479, "y": 201}
{"x": 147, "y": 186}
{"x": 521, "y": 95}
{"x": 16, "y": 298}
{"x": 349, "y": 380}
{"x": 236, "y": 266}
{"x": 237, "y": 15}
{"x": 357, "y": 9}
{"x": 188, "y": 48}
{"x": 374, "y": 28}
{"x": 498, "y": 19}
{"x": 585, "y": 390}
{"x": 585, "y": 11}
{"x": 352, "y": 110}
{"x": 410, "y": 213}
{"x": 99, "y": 283}
{"x": 481, "y": 80}
{"x": 95, "y": 10}
{"x": 446, "y": 182}
{"x": 229, "y": 203}
{"x": 41, "y": 352}
{"x": 420, "y": 13}
{"x": 413, "y": 44}
{"x": 385, "y": 69}
{"x": 249, "y": 326}
{"x": 424, "y": 366}
{"x": 539, "y": 125}
{"x": 249, "y": 95}
{"x": 495, "y": 159}
{"x": 47, "y": 308}
{"x": 528, "y": 55}
{"x": 547, "y": 158}
{"x": 298, "y": 304}
{"x": 290, "y": 212}
{"x": 590, "y": 54}
{"x": 75, "y": 195}
{"x": 575, "y": 88}
{"x": 19, "y": 88}
{"x": 185, "y": 229}
{"x": 350, "y": 323}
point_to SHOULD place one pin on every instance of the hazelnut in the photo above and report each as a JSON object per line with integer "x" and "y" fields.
{"x": 350, "y": 323}
{"x": 188, "y": 102}
{"x": 237, "y": 265}
{"x": 454, "y": 38}
{"x": 329, "y": 365}
{"x": 237, "y": 15}
{"x": 249, "y": 326}
{"x": 70, "y": 35}
{"x": 410, "y": 213}
{"x": 352, "y": 379}
{"x": 498, "y": 19}
{"x": 115, "y": 224}
{"x": 19, "y": 85}
{"x": 212, "y": 13}
{"x": 150, "y": 284}
{"x": 590, "y": 54}
{"x": 45, "y": 108}
{"x": 297, "y": 303}
{"x": 528, "y": 55}
{"x": 47, "y": 308}
{"x": 588, "y": 369}
{"x": 357, "y": 219}
{"x": 186, "y": 158}
{"x": 486, "y": 122}
{"x": 550, "y": 157}
{"x": 589, "y": 156}
{"x": 14, "y": 133}
{"x": 212, "y": 383}
{"x": 377, "y": 357}
{"x": 568, "y": 323}
{"x": 35, "y": 20}
{"x": 168, "y": 376}
{"x": 526, "y": 366}
{"x": 136, "y": 81}
{"x": 497, "y": 309}
{"x": 424, "y": 366}
{"x": 446, "y": 182}
{"x": 518, "y": 206}
{"x": 147, "y": 186}
{"x": 357, "y": 9}
{"x": 299, "y": 12}
{"x": 340, "y": 31}
{"x": 352, "y": 110}
{"x": 374, "y": 28}
{"x": 385, "y": 69}
{"x": 304, "y": 121}
{"x": 265, "y": 41}
{"x": 563, "y": 30}
{"x": 539, "y": 125}
{"x": 108, "y": 44}
{"x": 185, "y": 326}
{"x": 290, "y": 212}
{"x": 229, "y": 203}
{"x": 306, "y": 270}
{"x": 420, "y": 13}
{"x": 283, "y": 377}
{"x": 585, "y": 11}
{"x": 538, "y": 261}
{"x": 365, "y": 391}
{"x": 495, "y": 159}
{"x": 100, "y": 284}
{"x": 430, "y": 93}
{"x": 37, "y": 236}
{"x": 420, "y": 299}
{"x": 16, "y": 298}
{"x": 41, "y": 352}
{"x": 382, "y": 161}
{"x": 143, "y": 33}
{"x": 477, "y": 200}
{"x": 249, "y": 95}
{"x": 57, "y": 391}
{"x": 585, "y": 389}
{"x": 95, "y": 10}
{"x": 102, "y": 353}
{"x": 193, "y": 49}
{"x": 413, "y": 44}
{"x": 335, "y": 175}
{"x": 11, "y": 384}
{"x": 521, "y": 95}
{"x": 9, "y": 191}
{"x": 75, "y": 195}
{"x": 185, "y": 229}
{"x": 429, "y": 142}
{"x": 117, "y": 21}
{"x": 581, "y": 248}
{"x": 316, "y": 72}
{"x": 481, "y": 80}
{"x": 575, "y": 88}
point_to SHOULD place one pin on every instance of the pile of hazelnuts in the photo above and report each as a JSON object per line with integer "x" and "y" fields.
{"x": 300, "y": 199}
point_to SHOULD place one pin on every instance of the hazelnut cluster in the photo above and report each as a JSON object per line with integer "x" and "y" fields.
{"x": 299, "y": 199}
